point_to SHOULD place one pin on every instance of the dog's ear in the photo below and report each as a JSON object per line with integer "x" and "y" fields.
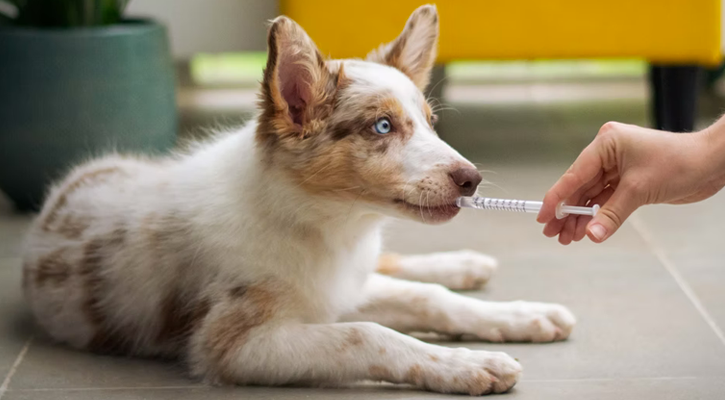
{"x": 295, "y": 79}
{"x": 414, "y": 51}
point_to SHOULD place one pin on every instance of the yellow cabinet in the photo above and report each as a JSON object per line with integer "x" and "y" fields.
{"x": 660, "y": 31}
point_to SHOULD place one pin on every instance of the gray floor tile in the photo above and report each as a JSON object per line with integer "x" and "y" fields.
{"x": 691, "y": 238}
{"x": 633, "y": 320}
{"x": 15, "y": 324}
{"x": 622, "y": 389}
{"x": 12, "y": 232}
{"x": 693, "y": 229}
{"x": 49, "y": 365}
{"x": 705, "y": 274}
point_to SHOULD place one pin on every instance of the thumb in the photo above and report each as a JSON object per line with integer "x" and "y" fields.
{"x": 612, "y": 214}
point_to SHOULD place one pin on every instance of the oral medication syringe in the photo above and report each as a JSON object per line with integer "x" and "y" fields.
{"x": 487, "y": 203}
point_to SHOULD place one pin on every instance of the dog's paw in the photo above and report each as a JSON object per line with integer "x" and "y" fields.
{"x": 521, "y": 321}
{"x": 468, "y": 269}
{"x": 471, "y": 372}
{"x": 457, "y": 270}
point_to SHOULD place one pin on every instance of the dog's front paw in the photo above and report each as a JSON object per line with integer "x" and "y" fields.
{"x": 469, "y": 269}
{"x": 521, "y": 321}
{"x": 471, "y": 372}
{"x": 457, "y": 270}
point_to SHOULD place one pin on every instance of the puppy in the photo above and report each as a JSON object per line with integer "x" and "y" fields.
{"x": 253, "y": 257}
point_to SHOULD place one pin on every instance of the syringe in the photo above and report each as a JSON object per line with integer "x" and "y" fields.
{"x": 487, "y": 203}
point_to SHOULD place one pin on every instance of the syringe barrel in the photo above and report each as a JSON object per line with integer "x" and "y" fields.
{"x": 488, "y": 203}
{"x": 533, "y": 206}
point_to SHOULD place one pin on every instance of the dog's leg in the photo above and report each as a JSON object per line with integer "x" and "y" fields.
{"x": 457, "y": 270}
{"x": 243, "y": 343}
{"x": 422, "y": 307}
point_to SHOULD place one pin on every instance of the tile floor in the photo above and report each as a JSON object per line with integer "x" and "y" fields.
{"x": 650, "y": 302}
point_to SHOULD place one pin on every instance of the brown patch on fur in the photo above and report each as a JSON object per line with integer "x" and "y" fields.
{"x": 162, "y": 229}
{"x": 238, "y": 291}
{"x": 53, "y": 269}
{"x": 430, "y": 117}
{"x": 246, "y": 310}
{"x": 62, "y": 200}
{"x": 388, "y": 264}
{"x": 353, "y": 337}
{"x": 433, "y": 358}
{"x": 73, "y": 226}
{"x": 365, "y": 111}
{"x": 471, "y": 282}
{"x": 180, "y": 317}
{"x": 415, "y": 375}
{"x": 180, "y": 312}
{"x": 379, "y": 372}
{"x": 107, "y": 338}
{"x": 382, "y": 350}
{"x": 382, "y": 147}
{"x": 390, "y": 106}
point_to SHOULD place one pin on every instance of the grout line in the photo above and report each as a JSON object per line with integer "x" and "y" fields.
{"x": 661, "y": 256}
{"x": 14, "y": 368}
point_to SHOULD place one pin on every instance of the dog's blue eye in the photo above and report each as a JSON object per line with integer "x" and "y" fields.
{"x": 383, "y": 126}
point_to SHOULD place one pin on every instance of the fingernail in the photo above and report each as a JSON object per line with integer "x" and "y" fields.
{"x": 598, "y": 231}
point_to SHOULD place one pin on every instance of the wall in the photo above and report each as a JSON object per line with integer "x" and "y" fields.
{"x": 210, "y": 25}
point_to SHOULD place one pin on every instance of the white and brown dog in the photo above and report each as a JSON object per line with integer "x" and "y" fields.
{"x": 254, "y": 257}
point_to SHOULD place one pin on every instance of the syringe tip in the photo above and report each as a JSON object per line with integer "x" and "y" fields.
{"x": 465, "y": 202}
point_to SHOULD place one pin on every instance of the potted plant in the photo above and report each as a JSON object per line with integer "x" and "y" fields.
{"x": 76, "y": 80}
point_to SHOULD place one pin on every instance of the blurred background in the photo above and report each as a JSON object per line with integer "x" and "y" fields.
{"x": 525, "y": 80}
{"x": 545, "y": 106}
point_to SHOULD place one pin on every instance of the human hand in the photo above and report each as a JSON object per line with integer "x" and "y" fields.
{"x": 625, "y": 167}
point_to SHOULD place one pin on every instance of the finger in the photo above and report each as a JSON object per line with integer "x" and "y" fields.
{"x": 594, "y": 190}
{"x": 581, "y": 224}
{"x": 599, "y": 199}
{"x": 585, "y": 169}
{"x": 581, "y": 227}
{"x": 554, "y": 227}
{"x": 613, "y": 212}
{"x": 567, "y": 233}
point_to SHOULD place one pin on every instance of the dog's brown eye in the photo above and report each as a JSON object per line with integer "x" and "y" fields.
{"x": 383, "y": 126}
{"x": 433, "y": 119}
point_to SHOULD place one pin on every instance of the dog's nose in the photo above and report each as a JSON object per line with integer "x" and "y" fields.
{"x": 467, "y": 180}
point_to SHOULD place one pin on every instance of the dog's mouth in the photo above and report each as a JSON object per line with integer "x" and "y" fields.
{"x": 430, "y": 213}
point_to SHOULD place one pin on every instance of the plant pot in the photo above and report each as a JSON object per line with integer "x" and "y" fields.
{"x": 69, "y": 94}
